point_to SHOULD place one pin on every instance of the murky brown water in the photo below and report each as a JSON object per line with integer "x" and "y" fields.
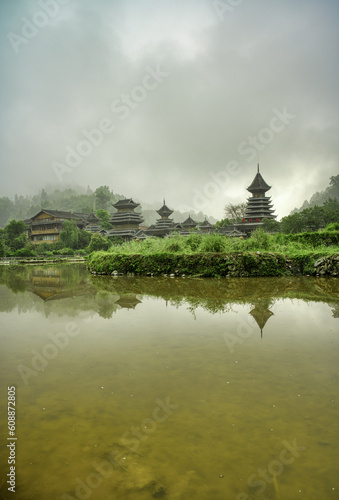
{"x": 141, "y": 388}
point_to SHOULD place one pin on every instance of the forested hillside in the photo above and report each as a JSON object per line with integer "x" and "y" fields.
{"x": 70, "y": 199}
{"x": 76, "y": 200}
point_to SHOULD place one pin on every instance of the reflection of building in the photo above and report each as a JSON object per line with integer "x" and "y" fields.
{"x": 128, "y": 301}
{"x": 49, "y": 285}
{"x": 261, "y": 313}
{"x": 258, "y": 207}
{"x": 46, "y": 225}
{"x": 46, "y": 283}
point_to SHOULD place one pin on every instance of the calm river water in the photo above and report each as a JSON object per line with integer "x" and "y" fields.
{"x": 139, "y": 388}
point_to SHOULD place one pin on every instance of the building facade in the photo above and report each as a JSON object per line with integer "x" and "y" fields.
{"x": 46, "y": 225}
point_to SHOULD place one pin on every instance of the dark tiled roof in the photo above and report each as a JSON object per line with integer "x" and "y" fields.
{"x": 258, "y": 184}
{"x": 164, "y": 210}
{"x": 189, "y": 222}
{"x": 62, "y": 214}
{"x": 206, "y": 223}
{"x": 127, "y": 203}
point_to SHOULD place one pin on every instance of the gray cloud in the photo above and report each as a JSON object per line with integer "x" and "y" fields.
{"x": 225, "y": 78}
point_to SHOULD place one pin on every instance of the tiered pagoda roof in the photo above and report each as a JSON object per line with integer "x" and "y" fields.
{"x": 206, "y": 226}
{"x": 125, "y": 218}
{"x": 164, "y": 225}
{"x": 258, "y": 186}
{"x": 126, "y": 204}
{"x": 259, "y": 205}
{"x": 189, "y": 223}
{"x": 164, "y": 211}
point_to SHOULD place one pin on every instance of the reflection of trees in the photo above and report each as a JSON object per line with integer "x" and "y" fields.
{"x": 15, "y": 278}
{"x": 335, "y": 309}
{"x": 217, "y": 295}
{"x": 69, "y": 289}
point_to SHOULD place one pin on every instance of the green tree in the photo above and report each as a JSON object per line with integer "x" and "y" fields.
{"x": 18, "y": 243}
{"x": 98, "y": 242}
{"x": 271, "y": 226}
{"x": 102, "y": 197}
{"x": 69, "y": 236}
{"x": 104, "y": 217}
{"x": 14, "y": 235}
{"x": 311, "y": 219}
{"x": 331, "y": 210}
{"x": 84, "y": 238}
{"x": 224, "y": 223}
{"x": 7, "y": 210}
{"x": 45, "y": 203}
{"x": 2, "y": 249}
{"x": 15, "y": 228}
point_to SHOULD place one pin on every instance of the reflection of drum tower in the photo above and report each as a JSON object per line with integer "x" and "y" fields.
{"x": 128, "y": 301}
{"x": 261, "y": 313}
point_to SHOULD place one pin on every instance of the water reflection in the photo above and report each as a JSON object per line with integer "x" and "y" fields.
{"x": 261, "y": 312}
{"x": 143, "y": 342}
{"x": 72, "y": 289}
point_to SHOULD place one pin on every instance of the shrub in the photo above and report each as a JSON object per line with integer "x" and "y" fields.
{"x": 65, "y": 251}
{"x": 43, "y": 248}
{"x": 213, "y": 243}
{"x": 193, "y": 241}
{"x": 259, "y": 240}
{"x": 173, "y": 246}
{"x": 98, "y": 242}
{"x": 334, "y": 226}
{"x": 25, "y": 252}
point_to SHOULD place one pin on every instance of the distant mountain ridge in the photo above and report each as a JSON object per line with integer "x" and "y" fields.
{"x": 320, "y": 197}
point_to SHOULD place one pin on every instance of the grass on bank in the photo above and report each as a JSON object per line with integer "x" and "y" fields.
{"x": 323, "y": 242}
{"x": 216, "y": 255}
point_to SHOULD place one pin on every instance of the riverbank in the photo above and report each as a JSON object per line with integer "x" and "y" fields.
{"x": 7, "y": 261}
{"x": 237, "y": 264}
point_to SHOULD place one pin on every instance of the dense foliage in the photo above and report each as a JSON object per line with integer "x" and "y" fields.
{"x": 73, "y": 237}
{"x": 326, "y": 241}
{"x": 311, "y": 219}
{"x": 215, "y": 255}
{"x": 14, "y": 242}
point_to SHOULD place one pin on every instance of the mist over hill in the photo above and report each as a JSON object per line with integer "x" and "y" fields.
{"x": 320, "y": 197}
{"x": 83, "y": 200}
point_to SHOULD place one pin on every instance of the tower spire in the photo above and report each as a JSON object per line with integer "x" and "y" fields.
{"x": 258, "y": 167}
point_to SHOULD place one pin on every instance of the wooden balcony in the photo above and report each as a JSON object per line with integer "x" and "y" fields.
{"x": 51, "y": 230}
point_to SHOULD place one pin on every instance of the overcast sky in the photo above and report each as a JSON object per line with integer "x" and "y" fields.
{"x": 178, "y": 98}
